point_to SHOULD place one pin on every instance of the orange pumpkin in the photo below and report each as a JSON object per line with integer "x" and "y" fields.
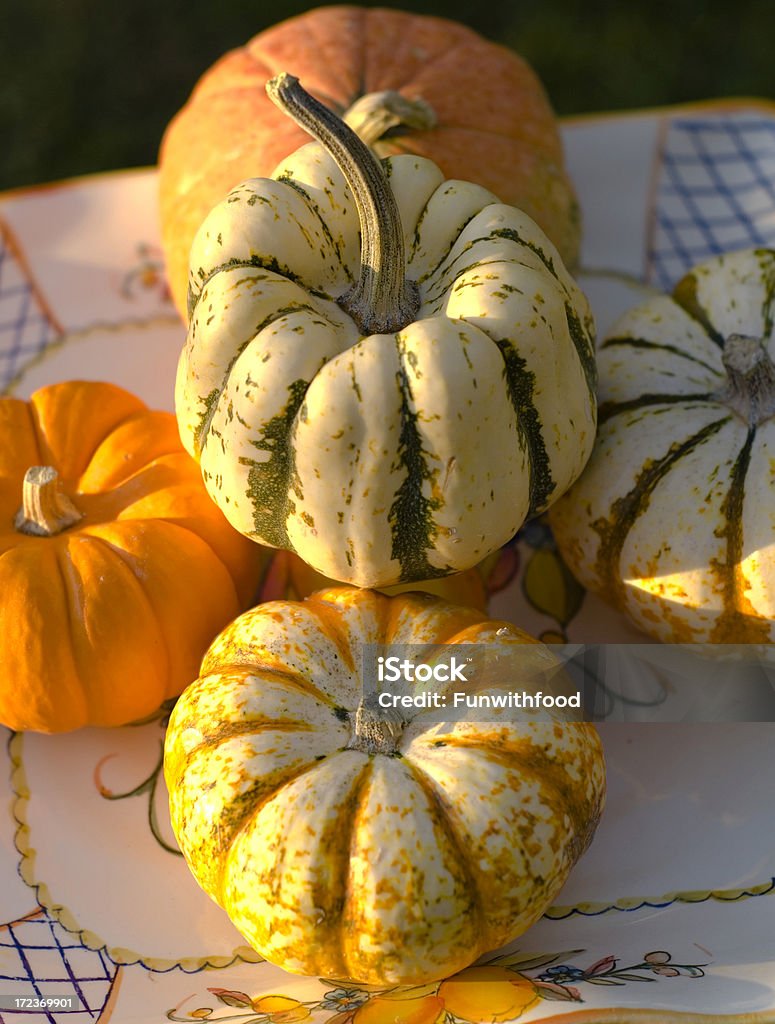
{"x": 116, "y": 569}
{"x": 473, "y": 107}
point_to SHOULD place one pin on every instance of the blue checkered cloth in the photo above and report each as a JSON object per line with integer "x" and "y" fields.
{"x": 715, "y": 191}
{"x": 25, "y": 328}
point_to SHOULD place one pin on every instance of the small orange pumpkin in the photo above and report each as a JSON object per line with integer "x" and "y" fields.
{"x": 116, "y": 569}
{"x": 405, "y": 82}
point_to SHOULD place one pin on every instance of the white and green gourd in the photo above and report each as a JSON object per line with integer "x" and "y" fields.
{"x": 673, "y": 520}
{"x": 385, "y": 372}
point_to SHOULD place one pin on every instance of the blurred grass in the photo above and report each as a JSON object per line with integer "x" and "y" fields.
{"x": 89, "y": 85}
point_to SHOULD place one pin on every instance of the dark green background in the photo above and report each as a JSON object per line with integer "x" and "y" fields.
{"x": 88, "y": 85}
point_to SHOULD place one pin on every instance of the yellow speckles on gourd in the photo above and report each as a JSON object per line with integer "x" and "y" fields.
{"x": 399, "y": 877}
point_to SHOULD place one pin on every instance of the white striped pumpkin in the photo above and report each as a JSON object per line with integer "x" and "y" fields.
{"x": 382, "y": 448}
{"x": 673, "y": 520}
{"x": 386, "y": 862}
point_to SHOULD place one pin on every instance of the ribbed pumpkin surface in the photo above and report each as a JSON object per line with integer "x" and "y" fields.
{"x": 382, "y": 458}
{"x": 335, "y": 861}
{"x": 673, "y": 520}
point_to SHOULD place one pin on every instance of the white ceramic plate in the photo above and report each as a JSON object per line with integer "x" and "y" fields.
{"x": 669, "y": 914}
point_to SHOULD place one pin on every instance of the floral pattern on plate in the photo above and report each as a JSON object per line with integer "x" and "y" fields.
{"x": 501, "y": 988}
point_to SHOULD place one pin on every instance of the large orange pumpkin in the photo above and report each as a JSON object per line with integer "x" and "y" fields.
{"x": 475, "y": 108}
{"x": 116, "y": 568}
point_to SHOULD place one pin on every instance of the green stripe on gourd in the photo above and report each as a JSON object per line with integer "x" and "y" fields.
{"x": 625, "y": 511}
{"x": 316, "y": 441}
{"x": 686, "y": 296}
{"x": 254, "y": 263}
{"x": 411, "y": 514}
{"x": 610, "y": 409}
{"x": 736, "y": 604}
{"x": 514, "y": 236}
{"x": 655, "y": 346}
{"x": 768, "y": 306}
{"x": 585, "y": 345}
{"x": 521, "y": 383}
{"x": 335, "y": 243}
{"x": 210, "y": 403}
{"x": 270, "y": 481}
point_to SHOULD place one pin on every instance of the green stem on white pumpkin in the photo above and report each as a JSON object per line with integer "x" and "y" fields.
{"x": 750, "y": 388}
{"x": 46, "y": 510}
{"x": 377, "y": 730}
{"x": 382, "y": 300}
{"x": 376, "y": 113}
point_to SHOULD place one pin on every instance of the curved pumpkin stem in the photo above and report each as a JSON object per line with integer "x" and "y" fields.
{"x": 46, "y": 510}
{"x": 750, "y": 389}
{"x": 381, "y": 301}
{"x": 376, "y": 113}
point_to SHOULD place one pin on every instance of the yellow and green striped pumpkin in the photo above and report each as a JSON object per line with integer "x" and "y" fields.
{"x": 391, "y": 404}
{"x": 344, "y": 849}
{"x": 673, "y": 519}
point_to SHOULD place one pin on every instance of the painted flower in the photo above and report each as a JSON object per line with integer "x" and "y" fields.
{"x": 561, "y": 974}
{"x": 658, "y": 963}
{"x": 147, "y": 274}
{"x": 658, "y": 957}
{"x": 341, "y": 999}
